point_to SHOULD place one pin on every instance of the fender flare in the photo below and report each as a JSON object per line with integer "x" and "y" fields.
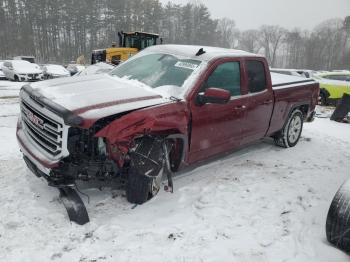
{"x": 296, "y": 106}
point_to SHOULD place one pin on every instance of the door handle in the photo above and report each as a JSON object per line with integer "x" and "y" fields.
{"x": 241, "y": 107}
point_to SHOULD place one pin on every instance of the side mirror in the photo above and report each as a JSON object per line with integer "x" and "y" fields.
{"x": 214, "y": 96}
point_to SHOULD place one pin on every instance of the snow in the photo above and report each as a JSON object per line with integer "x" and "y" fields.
{"x": 102, "y": 89}
{"x": 56, "y": 70}
{"x": 261, "y": 203}
{"x": 98, "y": 68}
{"x": 10, "y": 89}
{"x": 278, "y": 79}
{"x": 22, "y": 66}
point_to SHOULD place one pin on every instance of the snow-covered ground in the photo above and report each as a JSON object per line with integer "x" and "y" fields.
{"x": 262, "y": 203}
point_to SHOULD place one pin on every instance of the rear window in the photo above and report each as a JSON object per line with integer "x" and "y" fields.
{"x": 256, "y": 76}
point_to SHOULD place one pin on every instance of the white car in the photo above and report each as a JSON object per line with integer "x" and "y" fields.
{"x": 20, "y": 70}
{"x": 2, "y": 75}
{"x": 54, "y": 71}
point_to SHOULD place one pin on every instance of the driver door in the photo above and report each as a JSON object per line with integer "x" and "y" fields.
{"x": 216, "y": 128}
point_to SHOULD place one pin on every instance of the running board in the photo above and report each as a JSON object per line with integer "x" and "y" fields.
{"x": 74, "y": 205}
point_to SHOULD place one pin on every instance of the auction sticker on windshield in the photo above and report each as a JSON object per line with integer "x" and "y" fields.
{"x": 186, "y": 65}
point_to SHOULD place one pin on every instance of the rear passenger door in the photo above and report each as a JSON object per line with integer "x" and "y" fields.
{"x": 260, "y": 100}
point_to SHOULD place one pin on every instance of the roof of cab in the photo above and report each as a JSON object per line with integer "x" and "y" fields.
{"x": 191, "y": 51}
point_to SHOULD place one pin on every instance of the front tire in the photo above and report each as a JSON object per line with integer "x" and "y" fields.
{"x": 146, "y": 170}
{"x": 290, "y": 134}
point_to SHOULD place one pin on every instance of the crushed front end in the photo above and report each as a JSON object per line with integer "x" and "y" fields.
{"x": 60, "y": 153}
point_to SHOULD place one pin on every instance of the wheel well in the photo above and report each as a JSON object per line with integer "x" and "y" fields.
{"x": 304, "y": 109}
{"x": 324, "y": 91}
{"x": 176, "y": 153}
{"x": 176, "y": 144}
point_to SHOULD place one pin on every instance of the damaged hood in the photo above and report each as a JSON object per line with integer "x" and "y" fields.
{"x": 97, "y": 96}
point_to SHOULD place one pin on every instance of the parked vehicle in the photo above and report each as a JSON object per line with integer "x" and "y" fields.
{"x": 2, "y": 75}
{"x": 129, "y": 44}
{"x": 94, "y": 69}
{"x": 28, "y": 58}
{"x": 75, "y": 68}
{"x": 54, "y": 71}
{"x": 294, "y": 72}
{"x": 20, "y": 70}
{"x": 333, "y": 86}
{"x": 167, "y": 107}
{"x": 337, "y": 75}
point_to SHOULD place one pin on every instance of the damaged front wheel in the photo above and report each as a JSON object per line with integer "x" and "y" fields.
{"x": 146, "y": 170}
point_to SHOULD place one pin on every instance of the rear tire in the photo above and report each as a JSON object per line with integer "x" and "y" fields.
{"x": 323, "y": 100}
{"x": 290, "y": 134}
{"x": 16, "y": 78}
{"x": 338, "y": 218}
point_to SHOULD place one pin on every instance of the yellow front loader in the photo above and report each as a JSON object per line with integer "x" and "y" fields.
{"x": 129, "y": 44}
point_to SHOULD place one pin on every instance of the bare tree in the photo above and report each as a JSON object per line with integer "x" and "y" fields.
{"x": 271, "y": 39}
{"x": 62, "y": 30}
{"x": 228, "y": 33}
{"x": 250, "y": 41}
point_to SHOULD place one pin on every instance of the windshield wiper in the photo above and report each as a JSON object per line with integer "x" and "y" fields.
{"x": 173, "y": 98}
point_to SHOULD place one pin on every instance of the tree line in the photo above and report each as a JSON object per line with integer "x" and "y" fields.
{"x": 59, "y": 31}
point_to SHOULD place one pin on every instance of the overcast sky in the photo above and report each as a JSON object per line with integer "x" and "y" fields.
{"x": 248, "y": 14}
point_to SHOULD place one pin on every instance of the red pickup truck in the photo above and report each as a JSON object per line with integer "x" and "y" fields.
{"x": 166, "y": 107}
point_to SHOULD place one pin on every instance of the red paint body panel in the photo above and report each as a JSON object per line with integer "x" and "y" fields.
{"x": 209, "y": 129}
{"x": 171, "y": 118}
{"x": 285, "y": 100}
{"x": 213, "y": 128}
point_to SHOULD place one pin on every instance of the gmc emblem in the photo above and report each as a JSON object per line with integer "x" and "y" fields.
{"x": 34, "y": 119}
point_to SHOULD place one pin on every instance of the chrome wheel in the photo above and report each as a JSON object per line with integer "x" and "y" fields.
{"x": 294, "y": 129}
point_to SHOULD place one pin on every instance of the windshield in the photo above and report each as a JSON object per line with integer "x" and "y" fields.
{"x": 156, "y": 70}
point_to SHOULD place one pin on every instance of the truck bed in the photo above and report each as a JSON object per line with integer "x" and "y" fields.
{"x": 283, "y": 81}
{"x": 290, "y": 91}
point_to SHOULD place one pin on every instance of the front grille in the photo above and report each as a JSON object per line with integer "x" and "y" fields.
{"x": 33, "y": 75}
{"x": 42, "y": 130}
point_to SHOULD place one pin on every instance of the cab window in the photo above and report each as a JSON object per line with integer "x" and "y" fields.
{"x": 256, "y": 76}
{"x": 226, "y": 76}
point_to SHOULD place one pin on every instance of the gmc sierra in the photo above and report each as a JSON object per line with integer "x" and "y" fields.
{"x": 166, "y": 107}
